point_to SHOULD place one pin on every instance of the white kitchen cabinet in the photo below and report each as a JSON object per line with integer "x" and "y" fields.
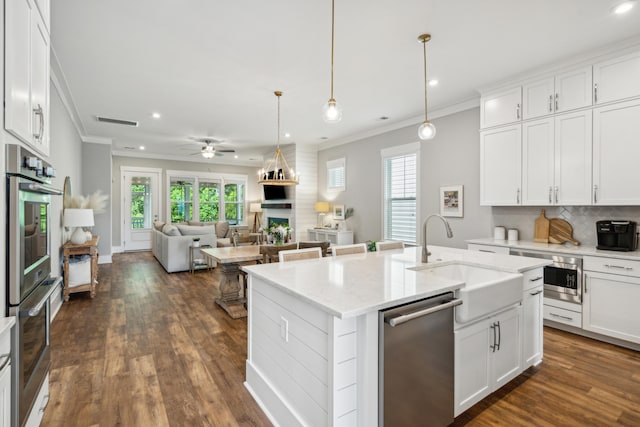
{"x": 610, "y": 301}
{"x": 532, "y": 341}
{"x": 500, "y": 166}
{"x": 556, "y": 161}
{"x": 487, "y": 356}
{"x": 327, "y": 235}
{"x": 616, "y": 79}
{"x": 565, "y": 92}
{"x": 27, "y": 74}
{"x": 615, "y": 154}
{"x": 44, "y": 7}
{"x": 500, "y": 108}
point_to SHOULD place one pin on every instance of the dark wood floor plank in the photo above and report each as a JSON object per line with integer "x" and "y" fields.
{"x": 153, "y": 349}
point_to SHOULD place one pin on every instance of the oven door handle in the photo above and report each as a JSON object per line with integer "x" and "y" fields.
{"x": 35, "y": 310}
{"x": 34, "y": 187}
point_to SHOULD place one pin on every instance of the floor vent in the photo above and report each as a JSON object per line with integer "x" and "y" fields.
{"x": 117, "y": 121}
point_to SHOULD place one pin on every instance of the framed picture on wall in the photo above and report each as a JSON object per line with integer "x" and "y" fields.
{"x": 452, "y": 201}
{"x": 338, "y": 211}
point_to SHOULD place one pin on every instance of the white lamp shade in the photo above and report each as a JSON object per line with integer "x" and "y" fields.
{"x": 78, "y": 218}
{"x": 255, "y": 207}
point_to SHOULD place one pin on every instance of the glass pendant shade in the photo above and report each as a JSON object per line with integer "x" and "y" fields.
{"x": 332, "y": 111}
{"x": 426, "y": 131}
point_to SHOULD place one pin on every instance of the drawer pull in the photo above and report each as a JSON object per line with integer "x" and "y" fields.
{"x": 535, "y": 279}
{"x": 486, "y": 250}
{"x": 562, "y": 317}
{"x": 618, "y": 266}
{"x": 535, "y": 293}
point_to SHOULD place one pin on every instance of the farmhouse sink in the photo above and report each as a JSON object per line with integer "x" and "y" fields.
{"x": 486, "y": 290}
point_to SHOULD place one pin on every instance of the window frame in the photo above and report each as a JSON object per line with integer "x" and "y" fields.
{"x": 401, "y": 151}
{"x": 337, "y": 164}
{"x": 219, "y": 178}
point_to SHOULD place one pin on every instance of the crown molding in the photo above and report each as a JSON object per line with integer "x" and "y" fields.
{"x": 59, "y": 81}
{"x": 97, "y": 140}
{"x": 414, "y": 121}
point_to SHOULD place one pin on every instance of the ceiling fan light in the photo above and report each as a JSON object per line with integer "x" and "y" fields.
{"x": 332, "y": 111}
{"x": 208, "y": 154}
{"x": 426, "y": 131}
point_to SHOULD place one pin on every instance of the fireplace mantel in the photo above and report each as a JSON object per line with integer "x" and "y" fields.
{"x": 276, "y": 206}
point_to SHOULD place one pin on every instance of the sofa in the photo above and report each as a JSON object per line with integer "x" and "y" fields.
{"x": 170, "y": 242}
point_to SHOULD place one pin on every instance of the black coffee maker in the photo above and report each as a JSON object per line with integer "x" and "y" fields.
{"x": 616, "y": 235}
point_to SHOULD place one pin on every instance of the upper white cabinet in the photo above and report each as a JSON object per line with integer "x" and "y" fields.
{"x": 44, "y": 7}
{"x": 615, "y": 154}
{"x": 500, "y": 166}
{"x": 564, "y": 92}
{"x": 616, "y": 79}
{"x": 27, "y": 74}
{"x": 499, "y": 108}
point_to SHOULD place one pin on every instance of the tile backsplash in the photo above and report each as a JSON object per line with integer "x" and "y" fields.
{"x": 582, "y": 218}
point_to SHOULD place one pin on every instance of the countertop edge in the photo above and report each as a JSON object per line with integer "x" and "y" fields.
{"x": 6, "y": 323}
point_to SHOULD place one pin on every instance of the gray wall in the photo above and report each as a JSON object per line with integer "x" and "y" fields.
{"x": 451, "y": 158}
{"x": 254, "y": 191}
{"x": 97, "y": 177}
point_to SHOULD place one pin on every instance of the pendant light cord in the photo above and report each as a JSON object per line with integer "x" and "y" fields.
{"x": 332, "y": 41}
{"x": 278, "y": 94}
{"x": 424, "y": 45}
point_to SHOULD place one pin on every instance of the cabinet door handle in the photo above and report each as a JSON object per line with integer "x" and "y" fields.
{"x": 556, "y": 194}
{"x": 595, "y": 194}
{"x": 550, "y": 190}
{"x": 562, "y": 317}
{"x": 493, "y": 347}
{"x": 39, "y": 112}
{"x": 557, "y": 102}
{"x": 595, "y": 93}
{"x": 535, "y": 293}
{"x": 535, "y": 279}
{"x": 618, "y": 266}
{"x": 518, "y": 196}
{"x": 485, "y": 250}
{"x": 499, "y": 335}
{"x": 550, "y": 103}
{"x": 518, "y": 111}
{"x": 585, "y": 283}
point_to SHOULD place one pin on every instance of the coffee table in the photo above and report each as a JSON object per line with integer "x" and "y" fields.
{"x": 230, "y": 259}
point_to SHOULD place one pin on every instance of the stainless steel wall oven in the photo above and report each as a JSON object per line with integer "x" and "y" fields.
{"x": 29, "y": 281}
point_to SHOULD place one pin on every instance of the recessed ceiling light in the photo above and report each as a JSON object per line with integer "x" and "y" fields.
{"x": 433, "y": 82}
{"x": 141, "y": 147}
{"x": 235, "y": 157}
{"x": 287, "y": 135}
{"x": 623, "y": 7}
{"x": 155, "y": 115}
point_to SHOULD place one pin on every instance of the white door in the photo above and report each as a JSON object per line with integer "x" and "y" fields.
{"x": 538, "y": 162}
{"x": 573, "y": 90}
{"x": 537, "y": 99}
{"x": 141, "y": 202}
{"x": 507, "y": 357}
{"x": 500, "y": 108}
{"x": 500, "y": 166}
{"x": 617, "y": 79}
{"x": 573, "y": 159}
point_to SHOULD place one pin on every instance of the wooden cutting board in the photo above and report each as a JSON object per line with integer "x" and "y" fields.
{"x": 541, "y": 229}
{"x": 560, "y": 231}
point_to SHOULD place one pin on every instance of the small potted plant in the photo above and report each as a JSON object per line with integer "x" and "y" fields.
{"x": 196, "y": 242}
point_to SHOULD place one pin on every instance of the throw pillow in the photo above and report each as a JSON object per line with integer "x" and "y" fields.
{"x": 158, "y": 225}
{"x": 196, "y": 230}
{"x": 170, "y": 230}
{"x": 222, "y": 229}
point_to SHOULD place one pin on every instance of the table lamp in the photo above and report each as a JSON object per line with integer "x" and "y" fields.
{"x": 322, "y": 208}
{"x": 255, "y": 209}
{"x": 78, "y": 218}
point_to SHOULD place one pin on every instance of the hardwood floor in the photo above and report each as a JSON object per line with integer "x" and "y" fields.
{"x": 152, "y": 349}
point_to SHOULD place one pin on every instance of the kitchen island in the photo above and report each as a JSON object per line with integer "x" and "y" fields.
{"x": 313, "y": 327}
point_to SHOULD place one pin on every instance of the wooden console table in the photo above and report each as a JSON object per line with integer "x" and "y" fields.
{"x": 88, "y": 248}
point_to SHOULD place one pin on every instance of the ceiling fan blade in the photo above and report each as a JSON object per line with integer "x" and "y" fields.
{"x": 229, "y": 150}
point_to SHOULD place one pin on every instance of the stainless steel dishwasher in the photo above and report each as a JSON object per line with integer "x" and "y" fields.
{"x": 416, "y": 359}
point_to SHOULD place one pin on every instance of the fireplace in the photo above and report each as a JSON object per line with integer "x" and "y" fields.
{"x": 277, "y": 221}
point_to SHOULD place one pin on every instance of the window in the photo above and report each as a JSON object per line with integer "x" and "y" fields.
{"x": 336, "y": 175}
{"x": 234, "y": 203}
{"x": 198, "y": 196}
{"x": 400, "y": 189}
{"x": 140, "y": 202}
{"x": 181, "y": 199}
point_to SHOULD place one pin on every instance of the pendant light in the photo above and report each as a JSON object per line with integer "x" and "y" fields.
{"x": 332, "y": 111}
{"x": 277, "y": 171}
{"x": 427, "y": 129}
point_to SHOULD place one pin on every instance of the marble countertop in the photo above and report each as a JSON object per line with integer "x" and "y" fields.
{"x": 352, "y": 285}
{"x": 566, "y": 249}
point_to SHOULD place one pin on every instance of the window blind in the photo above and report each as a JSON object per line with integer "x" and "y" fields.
{"x": 400, "y": 205}
{"x": 336, "y": 175}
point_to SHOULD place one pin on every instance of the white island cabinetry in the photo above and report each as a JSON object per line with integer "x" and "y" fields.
{"x": 314, "y": 324}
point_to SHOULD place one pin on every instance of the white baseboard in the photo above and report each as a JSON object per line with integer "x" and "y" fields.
{"x": 104, "y": 259}
{"x": 117, "y": 249}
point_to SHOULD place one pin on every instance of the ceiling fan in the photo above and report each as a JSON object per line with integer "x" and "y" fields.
{"x": 209, "y": 148}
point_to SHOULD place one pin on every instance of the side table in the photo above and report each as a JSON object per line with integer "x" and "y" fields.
{"x": 198, "y": 263}
{"x": 88, "y": 248}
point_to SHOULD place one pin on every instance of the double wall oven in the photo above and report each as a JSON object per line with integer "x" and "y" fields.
{"x": 562, "y": 278}
{"x": 29, "y": 281}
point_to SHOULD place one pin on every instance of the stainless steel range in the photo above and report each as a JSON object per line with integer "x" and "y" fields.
{"x": 29, "y": 278}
